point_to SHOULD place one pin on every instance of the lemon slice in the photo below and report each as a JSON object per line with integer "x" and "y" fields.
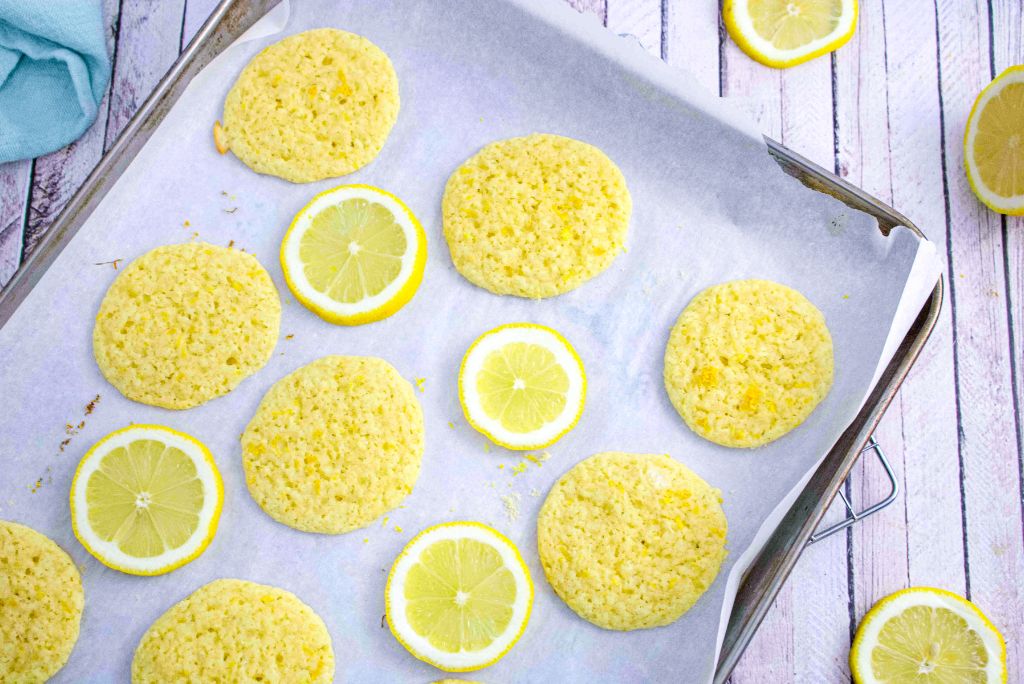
{"x": 146, "y": 499}
{"x": 354, "y": 254}
{"x": 994, "y": 143}
{"x": 784, "y": 33}
{"x": 459, "y": 596}
{"x": 922, "y": 635}
{"x": 522, "y": 385}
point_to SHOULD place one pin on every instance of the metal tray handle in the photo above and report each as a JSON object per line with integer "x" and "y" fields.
{"x": 853, "y": 515}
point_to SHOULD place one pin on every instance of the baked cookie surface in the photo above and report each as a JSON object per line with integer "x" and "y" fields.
{"x": 535, "y": 216}
{"x": 183, "y": 324}
{"x": 334, "y": 445}
{"x": 236, "y": 631}
{"x": 747, "y": 361}
{"x": 315, "y": 105}
{"x": 41, "y": 601}
{"x": 631, "y": 541}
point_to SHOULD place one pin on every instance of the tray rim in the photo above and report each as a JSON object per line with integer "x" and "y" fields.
{"x": 769, "y": 571}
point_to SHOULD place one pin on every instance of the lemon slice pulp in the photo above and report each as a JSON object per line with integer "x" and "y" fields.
{"x": 783, "y": 33}
{"x": 921, "y": 635}
{"x": 994, "y": 143}
{"x": 146, "y": 499}
{"x": 459, "y": 596}
{"x": 522, "y": 385}
{"x": 354, "y": 254}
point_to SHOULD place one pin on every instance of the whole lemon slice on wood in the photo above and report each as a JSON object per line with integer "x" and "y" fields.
{"x": 994, "y": 143}
{"x": 924, "y": 635}
{"x": 784, "y": 33}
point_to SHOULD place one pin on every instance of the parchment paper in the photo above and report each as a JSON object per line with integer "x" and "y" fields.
{"x": 709, "y": 206}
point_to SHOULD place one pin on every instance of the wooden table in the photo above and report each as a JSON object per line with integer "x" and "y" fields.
{"x": 887, "y": 112}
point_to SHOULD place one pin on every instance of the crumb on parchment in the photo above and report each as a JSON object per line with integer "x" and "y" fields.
{"x": 511, "y": 505}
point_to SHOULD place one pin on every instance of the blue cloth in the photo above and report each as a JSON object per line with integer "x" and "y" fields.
{"x": 54, "y": 70}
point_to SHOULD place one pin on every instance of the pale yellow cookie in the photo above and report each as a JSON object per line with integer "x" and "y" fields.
{"x": 334, "y": 445}
{"x": 318, "y": 104}
{"x": 186, "y": 323}
{"x": 236, "y": 631}
{"x": 41, "y": 602}
{"x": 748, "y": 361}
{"x": 535, "y": 216}
{"x": 631, "y": 541}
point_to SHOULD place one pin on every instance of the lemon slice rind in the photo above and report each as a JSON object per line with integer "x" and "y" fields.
{"x": 891, "y": 606}
{"x": 737, "y": 20}
{"x": 107, "y": 552}
{"x": 1013, "y": 206}
{"x": 376, "y": 307}
{"x": 395, "y": 602}
{"x": 565, "y": 355}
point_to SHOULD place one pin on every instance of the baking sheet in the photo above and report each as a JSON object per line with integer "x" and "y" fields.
{"x": 709, "y": 206}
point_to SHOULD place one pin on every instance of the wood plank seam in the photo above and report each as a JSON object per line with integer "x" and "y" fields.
{"x": 951, "y": 281}
{"x": 113, "y": 72}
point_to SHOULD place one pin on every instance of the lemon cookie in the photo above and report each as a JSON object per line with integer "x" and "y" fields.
{"x": 231, "y": 630}
{"x": 334, "y": 445}
{"x": 183, "y": 324}
{"x": 747, "y": 361}
{"x": 41, "y": 603}
{"x": 535, "y": 216}
{"x": 631, "y": 541}
{"x": 315, "y": 105}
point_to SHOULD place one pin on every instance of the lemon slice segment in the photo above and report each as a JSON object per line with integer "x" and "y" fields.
{"x": 522, "y": 385}
{"x": 922, "y": 635}
{"x": 994, "y": 143}
{"x": 459, "y": 596}
{"x": 354, "y": 254}
{"x": 146, "y": 499}
{"x": 784, "y": 33}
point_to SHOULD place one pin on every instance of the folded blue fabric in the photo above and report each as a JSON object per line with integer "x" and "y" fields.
{"x": 54, "y": 69}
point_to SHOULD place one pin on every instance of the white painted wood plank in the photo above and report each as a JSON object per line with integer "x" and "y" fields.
{"x": 196, "y": 13}
{"x": 988, "y": 444}
{"x": 58, "y": 175}
{"x": 805, "y": 635}
{"x": 148, "y": 42}
{"x": 691, "y": 39}
{"x": 1007, "y": 50}
{"x": 14, "y": 181}
{"x": 890, "y": 144}
{"x": 639, "y": 18}
{"x": 927, "y": 403}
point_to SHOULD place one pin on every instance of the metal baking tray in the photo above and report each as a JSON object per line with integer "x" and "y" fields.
{"x": 769, "y": 571}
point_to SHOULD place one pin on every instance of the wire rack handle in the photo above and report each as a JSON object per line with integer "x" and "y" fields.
{"x": 853, "y": 515}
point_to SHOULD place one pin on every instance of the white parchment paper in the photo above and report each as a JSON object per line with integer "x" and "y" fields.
{"x": 709, "y": 206}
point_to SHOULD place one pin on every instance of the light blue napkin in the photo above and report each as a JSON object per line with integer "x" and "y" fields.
{"x": 54, "y": 69}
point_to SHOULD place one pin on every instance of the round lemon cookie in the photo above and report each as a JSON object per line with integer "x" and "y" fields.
{"x": 186, "y": 323}
{"x": 318, "y": 104}
{"x": 41, "y": 602}
{"x": 535, "y": 216}
{"x": 334, "y": 445}
{"x": 631, "y": 541}
{"x": 747, "y": 361}
{"x": 232, "y": 630}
